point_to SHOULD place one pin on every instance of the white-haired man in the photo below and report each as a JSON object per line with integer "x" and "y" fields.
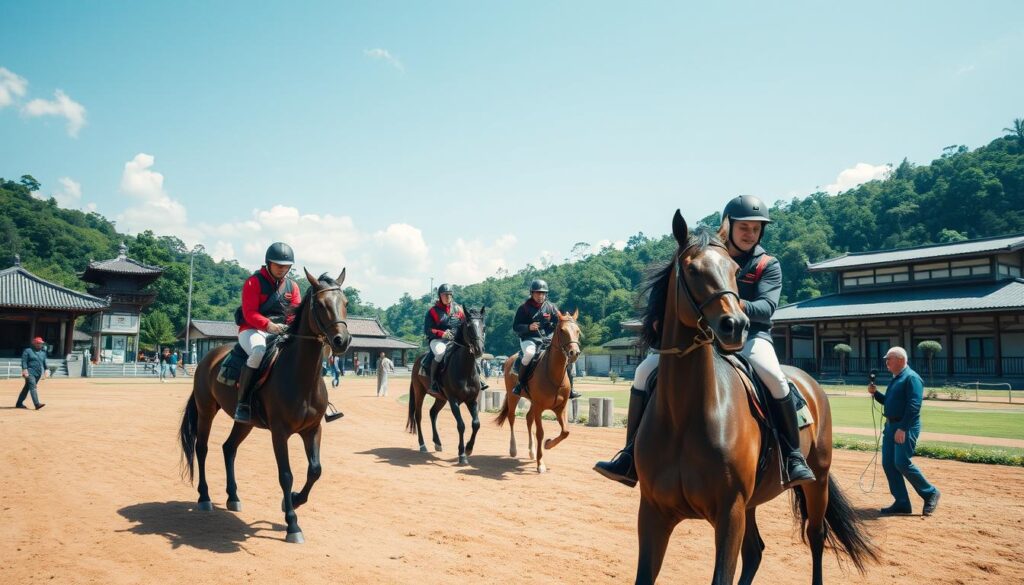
{"x": 902, "y": 410}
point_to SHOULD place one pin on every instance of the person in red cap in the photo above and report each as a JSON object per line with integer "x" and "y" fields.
{"x": 33, "y": 369}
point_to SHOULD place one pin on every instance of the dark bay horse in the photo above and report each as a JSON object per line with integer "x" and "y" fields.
{"x": 293, "y": 399}
{"x": 698, "y": 444}
{"x": 460, "y": 382}
{"x": 549, "y": 389}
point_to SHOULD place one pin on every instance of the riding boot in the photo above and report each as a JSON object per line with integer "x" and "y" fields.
{"x": 435, "y": 377}
{"x": 516, "y": 366}
{"x": 795, "y": 466}
{"x": 483, "y": 379}
{"x": 572, "y": 389}
{"x": 246, "y": 380}
{"x": 622, "y": 468}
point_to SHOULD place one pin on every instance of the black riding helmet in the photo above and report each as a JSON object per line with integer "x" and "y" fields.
{"x": 746, "y": 208}
{"x": 445, "y": 288}
{"x": 538, "y": 285}
{"x": 279, "y": 253}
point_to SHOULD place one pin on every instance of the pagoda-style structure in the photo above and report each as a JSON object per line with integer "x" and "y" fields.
{"x": 124, "y": 282}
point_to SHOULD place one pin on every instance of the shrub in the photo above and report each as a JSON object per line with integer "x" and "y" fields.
{"x": 613, "y": 376}
{"x": 956, "y": 393}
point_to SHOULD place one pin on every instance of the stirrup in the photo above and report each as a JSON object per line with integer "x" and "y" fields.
{"x": 243, "y": 414}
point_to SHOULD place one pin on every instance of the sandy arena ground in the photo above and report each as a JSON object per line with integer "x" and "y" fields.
{"x": 92, "y": 495}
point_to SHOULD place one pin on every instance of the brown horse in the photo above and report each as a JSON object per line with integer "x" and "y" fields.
{"x": 549, "y": 389}
{"x": 293, "y": 399}
{"x": 698, "y": 445}
{"x": 460, "y": 382}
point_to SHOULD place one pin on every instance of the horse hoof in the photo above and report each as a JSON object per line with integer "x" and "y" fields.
{"x": 512, "y": 452}
{"x": 423, "y": 448}
{"x": 295, "y": 538}
{"x": 205, "y": 507}
{"x": 542, "y": 468}
{"x": 235, "y": 506}
{"x": 463, "y": 460}
{"x": 547, "y": 443}
{"x": 437, "y": 447}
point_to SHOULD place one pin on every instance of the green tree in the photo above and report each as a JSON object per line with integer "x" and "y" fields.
{"x": 930, "y": 348}
{"x": 155, "y": 330}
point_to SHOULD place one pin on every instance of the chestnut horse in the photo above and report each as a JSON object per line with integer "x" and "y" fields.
{"x": 460, "y": 382}
{"x": 293, "y": 399}
{"x": 698, "y": 444}
{"x": 549, "y": 389}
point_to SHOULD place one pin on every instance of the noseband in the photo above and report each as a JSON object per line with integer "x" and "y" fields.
{"x": 706, "y": 334}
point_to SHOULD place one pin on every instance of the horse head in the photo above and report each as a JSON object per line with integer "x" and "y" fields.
{"x": 328, "y": 310}
{"x": 473, "y": 331}
{"x": 705, "y": 275}
{"x": 568, "y": 334}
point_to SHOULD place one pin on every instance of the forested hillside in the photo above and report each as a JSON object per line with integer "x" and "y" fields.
{"x": 962, "y": 194}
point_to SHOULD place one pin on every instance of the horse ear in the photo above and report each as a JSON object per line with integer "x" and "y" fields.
{"x": 310, "y": 278}
{"x": 483, "y": 309}
{"x": 341, "y": 277}
{"x": 575, "y": 314}
{"x": 679, "y": 229}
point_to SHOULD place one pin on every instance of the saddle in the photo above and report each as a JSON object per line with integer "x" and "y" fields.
{"x": 231, "y": 368}
{"x": 526, "y": 372}
{"x": 428, "y": 357}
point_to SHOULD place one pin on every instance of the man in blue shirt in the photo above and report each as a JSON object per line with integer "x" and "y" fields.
{"x": 902, "y": 410}
{"x": 33, "y": 369}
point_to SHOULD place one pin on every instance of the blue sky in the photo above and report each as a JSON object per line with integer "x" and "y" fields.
{"x": 409, "y": 140}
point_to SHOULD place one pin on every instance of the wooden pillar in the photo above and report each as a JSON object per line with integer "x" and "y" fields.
{"x": 949, "y": 346}
{"x": 997, "y": 342}
{"x": 789, "y": 344}
{"x": 863, "y": 348}
{"x": 32, "y": 327}
{"x": 817, "y": 349}
{"x": 69, "y": 335}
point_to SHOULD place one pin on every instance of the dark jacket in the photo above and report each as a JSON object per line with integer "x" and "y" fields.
{"x": 546, "y": 314}
{"x": 760, "y": 284}
{"x": 902, "y": 399}
{"x": 34, "y": 361}
{"x": 255, "y": 293}
{"x": 440, "y": 319}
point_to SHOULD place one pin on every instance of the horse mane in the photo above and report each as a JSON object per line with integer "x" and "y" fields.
{"x": 300, "y": 311}
{"x": 656, "y": 285}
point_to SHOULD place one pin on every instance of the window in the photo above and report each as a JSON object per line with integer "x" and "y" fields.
{"x": 878, "y": 276}
{"x": 979, "y": 349}
{"x": 876, "y": 351}
{"x": 1011, "y": 271}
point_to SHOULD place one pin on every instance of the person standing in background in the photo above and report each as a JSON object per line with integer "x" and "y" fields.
{"x": 384, "y": 367}
{"x": 33, "y": 369}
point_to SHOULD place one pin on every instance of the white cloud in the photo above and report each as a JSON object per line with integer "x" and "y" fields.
{"x": 12, "y": 85}
{"x": 151, "y": 207}
{"x": 386, "y": 56}
{"x": 62, "y": 106}
{"x": 68, "y": 196}
{"x": 472, "y": 261}
{"x": 859, "y": 173}
{"x": 965, "y": 69}
{"x": 617, "y": 244}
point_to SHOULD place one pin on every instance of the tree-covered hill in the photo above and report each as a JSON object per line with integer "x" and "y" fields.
{"x": 962, "y": 194}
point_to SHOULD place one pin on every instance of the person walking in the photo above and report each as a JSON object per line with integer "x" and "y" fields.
{"x": 33, "y": 369}
{"x": 384, "y": 367}
{"x": 902, "y": 410}
{"x": 172, "y": 363}
{"x": 165, "y": 359}
{"x": 336, "y": 367}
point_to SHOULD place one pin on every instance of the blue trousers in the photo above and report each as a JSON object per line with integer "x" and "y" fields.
{"x": 29, "y": 388}
{"x": 897, "y": 465}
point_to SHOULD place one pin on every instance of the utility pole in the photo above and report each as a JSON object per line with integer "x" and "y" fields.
{"x": 188, "y": 314}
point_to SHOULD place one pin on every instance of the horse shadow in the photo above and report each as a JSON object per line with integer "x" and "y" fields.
{"x": 496, "y": 467}
{"x": 182, "y": 524}
{"x": 401, "y": 457}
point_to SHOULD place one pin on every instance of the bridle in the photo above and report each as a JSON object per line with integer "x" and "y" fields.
{"x": 470, "y": 346}
{"x": 318, "y": 321}
{"x": 705, "y": 333}
{"x": 565, "y": 347}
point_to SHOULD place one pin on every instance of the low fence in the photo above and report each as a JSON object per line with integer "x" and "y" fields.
{"x": 600, "y": 411}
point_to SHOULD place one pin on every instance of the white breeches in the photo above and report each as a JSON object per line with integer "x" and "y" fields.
{"x": 437, "y": 347}
{"x": 254, "y": 342}
{"x": 528, "y": 349}
{"x": 761, "y": 354}
{"x": 644, "y": 370}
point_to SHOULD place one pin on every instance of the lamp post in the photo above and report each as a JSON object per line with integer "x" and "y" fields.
{"x": 188, "y": 314}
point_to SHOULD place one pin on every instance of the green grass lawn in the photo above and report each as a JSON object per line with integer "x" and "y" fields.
{"x": 1001, "y": 421}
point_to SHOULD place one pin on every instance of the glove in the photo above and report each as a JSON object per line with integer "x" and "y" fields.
{"x": 448, "y": 335}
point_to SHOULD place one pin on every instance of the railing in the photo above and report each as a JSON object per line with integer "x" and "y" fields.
{"x": 936, "y": 367}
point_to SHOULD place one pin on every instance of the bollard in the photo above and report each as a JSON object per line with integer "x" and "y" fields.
{"x": 608, "y": 412}
{"x": 595, "y": 415}
{"x": 573, "y": 410}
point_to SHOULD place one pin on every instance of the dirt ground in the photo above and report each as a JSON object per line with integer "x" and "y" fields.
{"x": 92, "y": 495}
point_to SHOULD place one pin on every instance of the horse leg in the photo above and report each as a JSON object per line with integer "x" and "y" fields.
{"x": 436, "y": 408}
{"x": 284, "y": 477}
{"x": 311, "y": 441}
{"x": 729, "y": 530}
{"x": 461, "y": 425}
{"x": 238, "y": 434}
{"x": 816, "y": 501}
{"x": 562, "y": 422}
{"x": 751, "y": 549}
{"x": 541, "y": 468}
{"x": 474, "y": 413}
{"x": 653, "y": 532}
{"x": 418, "y": 414}
{"x": 529, "y": 431}
{"x": 511, "y": 401}
{"x": 204, "y": 424}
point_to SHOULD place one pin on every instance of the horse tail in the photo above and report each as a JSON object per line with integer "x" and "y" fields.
{"x": 410, "y": 423}
{"x": 187, "y": 434}
{"x": 844, "y": 530}
{"x": 502, "y": 413}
